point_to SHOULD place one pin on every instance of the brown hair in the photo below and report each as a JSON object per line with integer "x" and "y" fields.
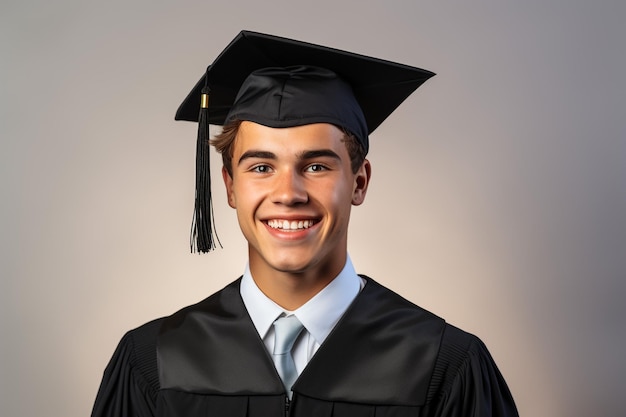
{"x": 224, "y": 144}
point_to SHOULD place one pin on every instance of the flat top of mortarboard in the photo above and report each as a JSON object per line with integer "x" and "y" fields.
{"x": 379, "y": 86}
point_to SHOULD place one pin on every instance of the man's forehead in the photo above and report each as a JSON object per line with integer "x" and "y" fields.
{"x": 301, "y": 141}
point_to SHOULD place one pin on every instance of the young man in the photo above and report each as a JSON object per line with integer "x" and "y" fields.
{"x": 300, "y": 333}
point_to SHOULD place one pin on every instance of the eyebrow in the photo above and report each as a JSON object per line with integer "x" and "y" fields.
{"x": 256, "y": 154}
{"x": 304, "y": 155}
{"x": 319, "y": 153}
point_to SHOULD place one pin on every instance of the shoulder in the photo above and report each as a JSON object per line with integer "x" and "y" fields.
{"x": 137, "y": 349}
{"x": 466, "y": 380}
{"x": 142, "y": 341}
{"x": 450, "y": 338}
{"x": 462, "y": 375}
{"x": 130, "y": 382}
{"x": 456, "y": 350}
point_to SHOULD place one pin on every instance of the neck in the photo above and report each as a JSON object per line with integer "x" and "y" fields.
{"x": 290, "y": 290}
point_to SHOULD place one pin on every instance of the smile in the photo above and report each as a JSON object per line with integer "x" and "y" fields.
{"x": 290, "y": 224}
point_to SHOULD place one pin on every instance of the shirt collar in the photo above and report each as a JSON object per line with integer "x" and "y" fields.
{"x": 318, "y": 315}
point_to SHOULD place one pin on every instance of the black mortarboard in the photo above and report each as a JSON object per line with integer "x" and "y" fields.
{"x": 280, "y": 82}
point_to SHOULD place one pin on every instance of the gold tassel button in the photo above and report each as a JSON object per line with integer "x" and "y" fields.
{"x": 204, "y": 101}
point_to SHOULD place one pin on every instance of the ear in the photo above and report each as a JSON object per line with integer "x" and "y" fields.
{"x": 228, "y": 182}
{"x": 361, "y": 181}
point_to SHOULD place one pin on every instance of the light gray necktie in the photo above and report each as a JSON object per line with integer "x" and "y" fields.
{"x": 286, "y": 331}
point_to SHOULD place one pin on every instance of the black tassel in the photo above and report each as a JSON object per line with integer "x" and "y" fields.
{"x": 203, "y": 232}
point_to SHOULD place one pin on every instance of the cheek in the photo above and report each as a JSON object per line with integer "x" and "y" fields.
{"x": 339, "y": 199}
{"x": 245, "y": 197}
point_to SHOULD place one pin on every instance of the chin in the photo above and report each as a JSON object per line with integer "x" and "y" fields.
{"x": 291, "y": 266}
{"x": 294, "y": 260}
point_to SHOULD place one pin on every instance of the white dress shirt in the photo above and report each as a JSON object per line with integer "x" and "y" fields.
{"x": 319, "y": 315}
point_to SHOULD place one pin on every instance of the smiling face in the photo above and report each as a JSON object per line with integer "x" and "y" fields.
{"x": 293, "y": 189}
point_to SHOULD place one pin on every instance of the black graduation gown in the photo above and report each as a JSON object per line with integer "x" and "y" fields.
{"x": 385, "y": 357}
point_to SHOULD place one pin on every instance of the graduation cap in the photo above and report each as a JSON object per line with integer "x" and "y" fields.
{"x": 280, "y": 82}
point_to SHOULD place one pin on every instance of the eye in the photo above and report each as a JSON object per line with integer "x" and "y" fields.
{"x": 316, "y": 168}
{"x": 261, "y": 169}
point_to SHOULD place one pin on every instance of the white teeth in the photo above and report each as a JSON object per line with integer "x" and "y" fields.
{"x": 290, "y": 225}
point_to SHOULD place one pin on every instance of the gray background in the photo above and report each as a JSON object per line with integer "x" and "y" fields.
{"x": 498, "y": 196}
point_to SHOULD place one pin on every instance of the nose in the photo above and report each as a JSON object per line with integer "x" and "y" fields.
{"x": 289, "y": 189}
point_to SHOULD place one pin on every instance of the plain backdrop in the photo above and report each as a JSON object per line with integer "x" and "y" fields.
{"x": 498, "y": 198}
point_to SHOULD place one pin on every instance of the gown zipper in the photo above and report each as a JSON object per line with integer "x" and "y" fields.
{"x": 287, "y": 406}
